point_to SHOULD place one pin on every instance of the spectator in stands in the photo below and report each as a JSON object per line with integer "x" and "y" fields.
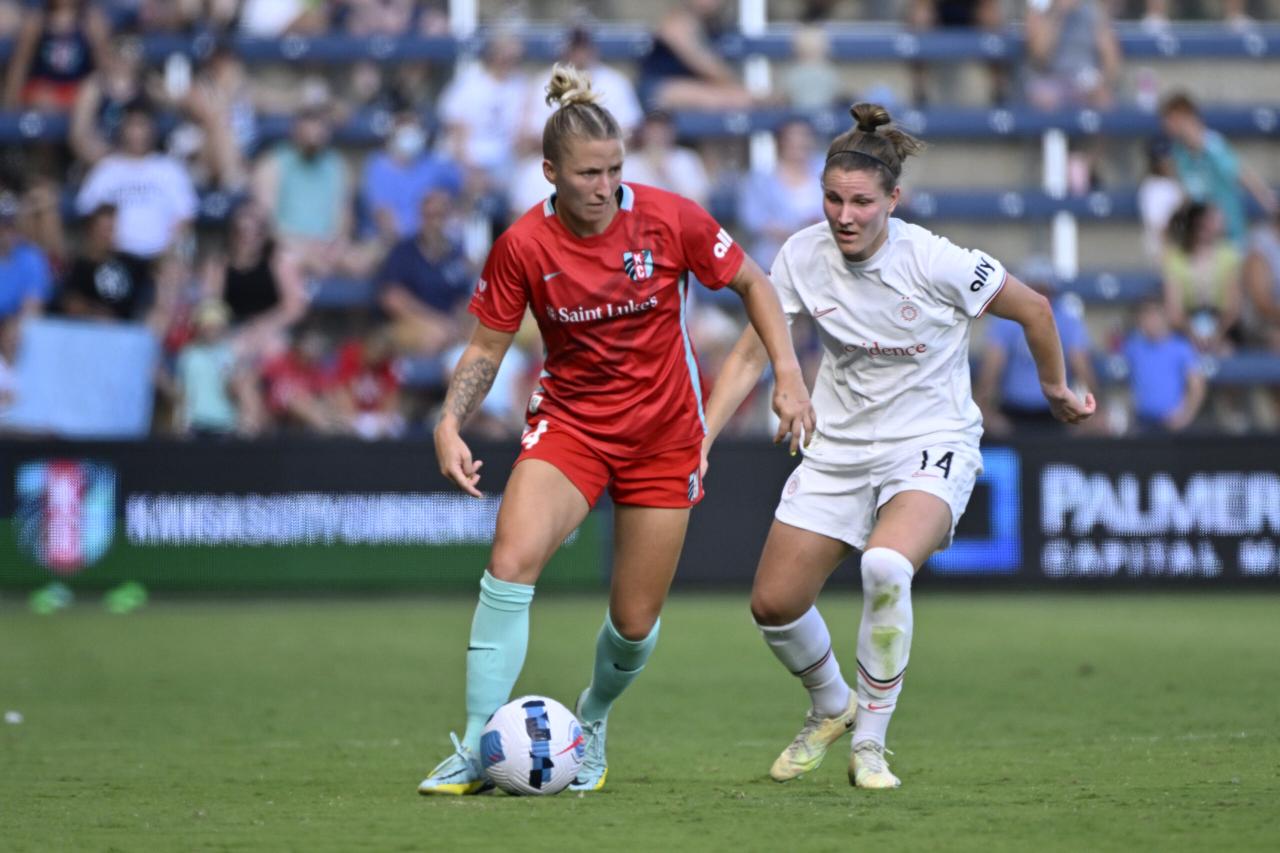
{"x": 25, "y": 280}
{"x": 217, "y": 391}
{"x": 260, "y": 283}
{"x": 1159, "y": 196}
{"x": 223, "y": 122}
{"x": 366, "y": 388}
{"x": 59, "y": 43}
{"x": 297, "y": 387}
{"x": 1008, "y": 386}
{"x": 40, "y": 220}
{"x": 102, "y": 98}
{"x": 1202, "y": 279}
{"x": 1165, "y": 379}
{"x": 1155, "y": 18}
{"x": 481, "y": 110}
{"x": 657, "y": 161}
{"x": 1210, "y": 171}
{"x": 10, "y": 17}
{"x": 305, "y": 187}
{"x": 396, "y": 180}
{"x": 617, "y": 94}
{"x": 811, "y": 83}
{"x": 375, "y": 17}
{"x": 155, "y": 206}
{"x": 775, "y": 204}
{"x": 1262, "y": 285}
{"x": 100, "y": 284}
{"x": 276, "y": 18}
{"x": 925, "y": 15}
{"x": 9, "y": 330}
{"x": 683, "y": 70}
{"x": 176, "y": 16}
{"x": 1073, "y": 54}
{"x": 425, "y": 281}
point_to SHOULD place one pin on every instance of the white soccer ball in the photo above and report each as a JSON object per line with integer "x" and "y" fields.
{"x": 532, "y": 745}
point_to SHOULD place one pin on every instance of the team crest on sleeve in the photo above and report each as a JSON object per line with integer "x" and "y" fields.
{"x": 638, "y": 264}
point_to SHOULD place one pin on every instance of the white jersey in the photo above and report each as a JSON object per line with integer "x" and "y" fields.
{"x": 895, "y": 337}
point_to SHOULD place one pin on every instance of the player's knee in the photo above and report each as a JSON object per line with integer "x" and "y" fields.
{"x": 885, "y": 571}
{"x": 634, "y": 623}
{"x": 772, "y": 610}
{"x": 511, "y": 566}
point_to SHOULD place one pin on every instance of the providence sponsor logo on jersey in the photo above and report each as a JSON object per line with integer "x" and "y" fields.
{"x": 638, "y": 264}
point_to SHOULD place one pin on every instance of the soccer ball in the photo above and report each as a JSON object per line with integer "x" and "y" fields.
{"x": 532, "y": 745}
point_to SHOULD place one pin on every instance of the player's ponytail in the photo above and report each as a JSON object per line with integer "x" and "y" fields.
{"x": 865, "y": 147}
{"x": 578, "y": 112}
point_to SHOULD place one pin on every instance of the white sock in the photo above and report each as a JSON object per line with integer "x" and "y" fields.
{"x": 884, "y": 640}
{"x": 804, "y": 647}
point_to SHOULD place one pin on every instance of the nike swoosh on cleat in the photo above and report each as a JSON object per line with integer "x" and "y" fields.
{"x": 551, "y": 275}
{"x": 824, "y": 312}
{"x": 871, "y": 706}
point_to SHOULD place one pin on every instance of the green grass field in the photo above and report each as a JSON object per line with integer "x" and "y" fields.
{"x": 1128, "y": 722}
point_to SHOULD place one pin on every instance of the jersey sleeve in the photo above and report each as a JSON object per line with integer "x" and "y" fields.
{"x": 965, "y": 278}
{"x": 784, "y": 283}
{"x": 709, "y": 252}
{"x": 502, "y": 293}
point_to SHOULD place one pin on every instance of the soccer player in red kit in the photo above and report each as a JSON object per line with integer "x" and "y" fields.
{"x": 604, "y": 267}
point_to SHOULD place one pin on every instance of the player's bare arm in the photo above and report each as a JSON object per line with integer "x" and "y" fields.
{"x": 1034, "y": 313}
{"x": 472, "y": 379}
{"x": 790, "y": 396}
{"x": 739, "y": 374}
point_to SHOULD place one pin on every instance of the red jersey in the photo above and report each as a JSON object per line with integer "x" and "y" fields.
{"x": 620, "y": 367}
{"x": 372, "y": 386}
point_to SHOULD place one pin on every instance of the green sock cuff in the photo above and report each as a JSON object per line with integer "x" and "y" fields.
{"x": 504, "y": 595}
{"x": 628, "y": 651}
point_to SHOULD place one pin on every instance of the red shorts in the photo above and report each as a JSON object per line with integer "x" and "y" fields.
{"x": 667, "y": 479}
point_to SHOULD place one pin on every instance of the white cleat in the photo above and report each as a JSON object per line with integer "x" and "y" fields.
{"x": 810, "y": 746}
{"x": 868, "y": 769}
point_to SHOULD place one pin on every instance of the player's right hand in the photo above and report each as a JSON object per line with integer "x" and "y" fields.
{"x": 1067, "y": 406}
{"x": 794, "y": 410}
{"x": 455, "y": 461}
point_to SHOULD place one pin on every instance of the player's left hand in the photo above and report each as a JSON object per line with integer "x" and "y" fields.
{"x": 1067, "y": 407}
{"x": 706, "y": 462}
{"x": 794, "y": 410}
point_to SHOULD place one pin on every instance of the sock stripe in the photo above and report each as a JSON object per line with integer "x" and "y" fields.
{"x": 826, "y": 656}
{"x": 878, "y": 683}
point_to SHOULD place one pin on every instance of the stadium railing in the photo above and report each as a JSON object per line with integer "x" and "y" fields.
{"x": 850, "y": 42}
{"x": 369, "y": 127}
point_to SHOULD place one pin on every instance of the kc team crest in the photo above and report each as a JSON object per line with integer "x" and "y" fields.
{"x": 638, "y": 265}
{"x": 65, "y": 512}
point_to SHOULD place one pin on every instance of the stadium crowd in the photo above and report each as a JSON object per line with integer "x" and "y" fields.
{"x": 108, "y": 226}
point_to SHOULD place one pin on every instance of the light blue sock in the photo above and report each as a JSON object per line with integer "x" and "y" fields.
{"x": 618, "y": 662}
{"x": 495, "y": 655}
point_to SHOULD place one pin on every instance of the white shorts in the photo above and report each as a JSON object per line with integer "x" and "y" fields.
{"x": 842, "y": 502}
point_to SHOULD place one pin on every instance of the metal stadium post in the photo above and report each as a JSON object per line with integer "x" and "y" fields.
{"x": 1065, "y": 233}
{"x": 752, "y": 19}
{"x": 463, "y": 15}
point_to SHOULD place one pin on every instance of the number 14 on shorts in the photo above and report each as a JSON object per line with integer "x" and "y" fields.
{"x": 941, "y": 461}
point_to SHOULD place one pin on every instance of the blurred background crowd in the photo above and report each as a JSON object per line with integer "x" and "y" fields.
{"x": 302, "y": 237}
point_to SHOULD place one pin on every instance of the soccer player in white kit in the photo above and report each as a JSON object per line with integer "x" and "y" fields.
{"x": 893, "y": 459}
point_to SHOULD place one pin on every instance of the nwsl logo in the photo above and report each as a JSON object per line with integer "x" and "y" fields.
{"x": 638, "y": 265}
{"x": 65, "y": 512}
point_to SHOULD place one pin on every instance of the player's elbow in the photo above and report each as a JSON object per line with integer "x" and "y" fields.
{"x": 1037, "y": 313}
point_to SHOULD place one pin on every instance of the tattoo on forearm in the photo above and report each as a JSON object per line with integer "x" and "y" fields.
{"x": 469, "y": 387}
